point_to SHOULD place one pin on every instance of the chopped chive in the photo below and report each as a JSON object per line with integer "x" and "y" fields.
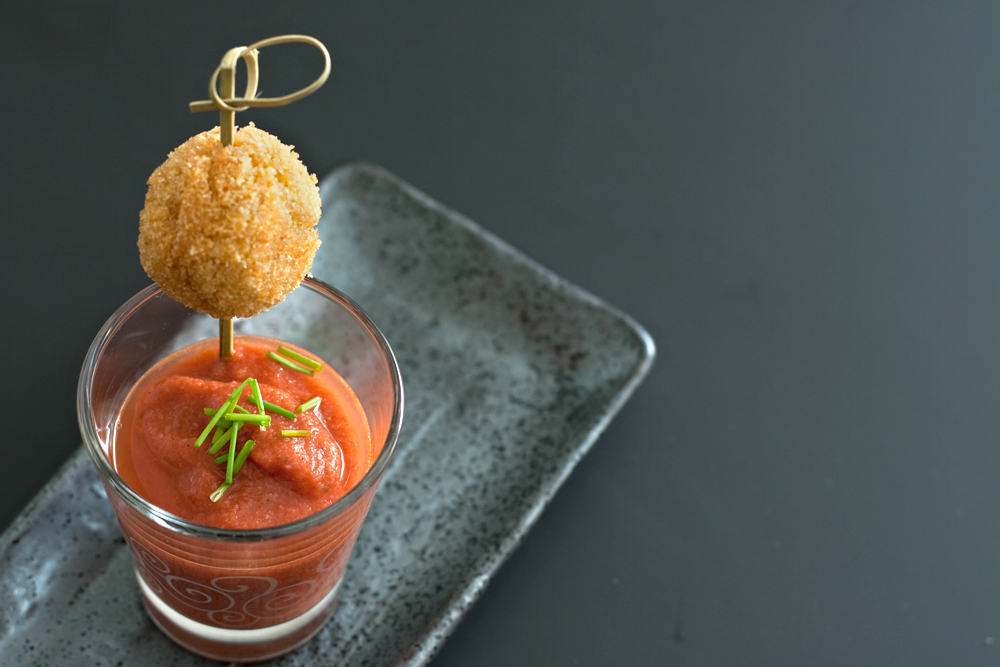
{"x": 232, "y": 468}
{"x": 291, "y": 364}
{"x": 256, "y": 394}
{"x": 231, "y": 458}
{"x": 264, "y": 420}
{"x": 309, "y": 405}
{"x": 223, "y": 423}
{"x": 212, "y": 411}
{"x": 235, "y": 396}
{"x": 211, "y": 424}
{"x": 305, "y": 361}
{"x": 241, "y": 458}
{"x": 287, "y": 414}
{"x": 223, "y": 439}
{"x": 295, "y": 434}
{"x": 219, "y": 435}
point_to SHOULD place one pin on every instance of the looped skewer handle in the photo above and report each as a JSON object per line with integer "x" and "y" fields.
{"x": 249, "y": 53}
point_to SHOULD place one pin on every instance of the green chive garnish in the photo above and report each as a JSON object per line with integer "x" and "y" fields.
{"x": 218, "y": 492}
{"x": 305, "y": 361}
{"x": 264, "y": 420}
{"x": 223, "y": 423}
{"x": 256, "y": 395}
{"x": 309, "y": 405}
{"x": 241, "y": 458}
{"x": 204, "y": 434}
{"x": 236, "y": 466}
{"x": 235, "y": 396}
{"x": 231, "y": 459}
{"x": 295, "y": 434}
{"x": 291, "y": 364}
{"x": 287, "y": 414}
{"x": 212, "y": 411}
{"x": 220, "y": 427}
{"x": 224, "y": 438}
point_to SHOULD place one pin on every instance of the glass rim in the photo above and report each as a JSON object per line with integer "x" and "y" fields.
{"x": 190, "y": 528}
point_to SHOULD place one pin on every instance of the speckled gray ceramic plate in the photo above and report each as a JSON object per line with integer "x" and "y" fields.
{"x": 510, "y": 374}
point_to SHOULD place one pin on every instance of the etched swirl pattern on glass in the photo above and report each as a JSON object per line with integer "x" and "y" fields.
{"x": 233, "y": 601}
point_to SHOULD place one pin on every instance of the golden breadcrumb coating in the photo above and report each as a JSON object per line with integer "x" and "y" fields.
{"x": 230, "y": 230}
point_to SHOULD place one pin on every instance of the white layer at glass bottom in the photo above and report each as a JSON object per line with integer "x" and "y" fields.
{"x": 230, "y": 636}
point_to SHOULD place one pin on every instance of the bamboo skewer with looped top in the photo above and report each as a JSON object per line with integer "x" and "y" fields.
{"x": 224, "y": 99}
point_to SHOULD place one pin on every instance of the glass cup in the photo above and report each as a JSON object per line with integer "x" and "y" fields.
{"x": 239, "y": 595}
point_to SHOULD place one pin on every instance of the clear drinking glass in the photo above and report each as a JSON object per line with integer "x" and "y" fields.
{"x": 239, "y": 595}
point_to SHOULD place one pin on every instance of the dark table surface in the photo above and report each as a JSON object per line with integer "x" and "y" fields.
{"x": 797, "y": 200}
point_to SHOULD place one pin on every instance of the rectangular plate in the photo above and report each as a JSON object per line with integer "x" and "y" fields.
{"x": 510, "y": 374}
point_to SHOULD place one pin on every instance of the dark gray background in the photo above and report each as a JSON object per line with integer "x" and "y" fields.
{"x": 798, "y": 200}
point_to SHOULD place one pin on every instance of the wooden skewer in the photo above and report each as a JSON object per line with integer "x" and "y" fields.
{"x": 227, "y": 130}
{"x": 224, "y": 98}
{"x": 227, "y": 90}
{"x": 225, "y": 337}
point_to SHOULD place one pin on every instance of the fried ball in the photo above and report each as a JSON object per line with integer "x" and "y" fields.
{"x": 230, "y": 230}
